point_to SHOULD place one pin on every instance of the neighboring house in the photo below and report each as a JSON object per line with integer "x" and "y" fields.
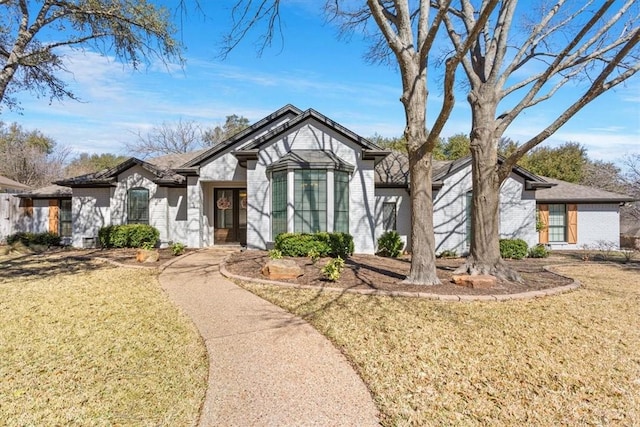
{"x": 46, "y": 209}
{"x": 298, "y": 171}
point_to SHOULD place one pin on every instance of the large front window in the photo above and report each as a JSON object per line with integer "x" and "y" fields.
{"x": 138, "y": 206}
{"x": 279, "y": 203}
{"x": 310, "y": 201}
{"x": 557, "y": 223}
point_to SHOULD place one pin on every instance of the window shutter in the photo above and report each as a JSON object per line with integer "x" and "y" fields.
{"x": 543, "y": 217}
{"x": 28, "y": 207}
{"x": 572, "y": 223}
{"x": 54, "y": 216}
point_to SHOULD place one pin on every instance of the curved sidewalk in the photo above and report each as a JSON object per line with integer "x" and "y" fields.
{"x": 267, "y": 367}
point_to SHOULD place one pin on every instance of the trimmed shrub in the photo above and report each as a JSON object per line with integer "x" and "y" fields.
{"x": 538, "y": 251}
{"x": 178, "y": 248}
{"x": 30, "y": 239}
{"x": 275, "y": 254}
{"x": 324, "y": 244}
{"x": 390, "y": 244}
{"x": 513, "y": 248}
{"x": 128, "y": 236}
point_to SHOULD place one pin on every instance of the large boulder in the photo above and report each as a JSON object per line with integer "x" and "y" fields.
{"x": 282, "y": 269}
{"x": 146, "y": 255}
{"x": 480, "y": 281}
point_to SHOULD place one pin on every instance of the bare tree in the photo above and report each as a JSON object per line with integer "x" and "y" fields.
{"x": 590, "y": 44}
{"x": 167, "y": 138}
{"x": 30, "y": 157}
{"x": 134, "y": 31}
{"x": 404, "y": 33}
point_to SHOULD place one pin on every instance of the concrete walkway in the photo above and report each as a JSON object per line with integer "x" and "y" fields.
{"x": 266, "y": 366}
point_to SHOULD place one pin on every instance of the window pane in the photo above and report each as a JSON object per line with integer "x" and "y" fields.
{"x": 138, "y": 212}
{"x": 389, "y": 216}
{"x": 310, "y": 201}
{"x": 557, "y": 223}
{"x": 341, "y": 202}
{"x": 278, "y": 203}
{"x": 65, "y": 218}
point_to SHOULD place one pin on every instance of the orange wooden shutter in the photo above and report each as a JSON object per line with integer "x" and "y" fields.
{"x": 543, "y": 217}
{"x": 54, "y": 215}
{"x": 28, "y": 207}
{"x": 572, "y": 223}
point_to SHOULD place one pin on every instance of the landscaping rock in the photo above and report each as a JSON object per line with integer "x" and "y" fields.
{"x": 282, "y": 269}
{"x": 481, "y": 281}
{"x": 144, "y": 255}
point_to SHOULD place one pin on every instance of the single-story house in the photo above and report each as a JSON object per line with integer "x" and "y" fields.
{"x": 299, "y": 171}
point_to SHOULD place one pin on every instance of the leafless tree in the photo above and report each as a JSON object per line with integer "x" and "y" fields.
{"x": 591, "y": 45}
{"x": 167, "y": 138}
{"x": 131, "y": 30}
{"x": 404, "y": 32}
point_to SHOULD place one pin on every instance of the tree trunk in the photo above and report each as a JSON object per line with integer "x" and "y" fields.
{"x": 423, "y": 258}
{"x": 484, "y": 255}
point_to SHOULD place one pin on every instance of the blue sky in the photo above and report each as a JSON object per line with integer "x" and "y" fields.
{"x": 310, "y": 69}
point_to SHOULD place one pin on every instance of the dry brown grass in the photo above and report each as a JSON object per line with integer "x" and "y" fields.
{"x": 83, "y": 343}
{"x": 571, "y": 359}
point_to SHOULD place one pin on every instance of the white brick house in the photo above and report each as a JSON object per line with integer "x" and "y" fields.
{"x": 300, "y": 171}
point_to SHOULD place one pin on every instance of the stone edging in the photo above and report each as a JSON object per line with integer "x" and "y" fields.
{"x": 376, "y": 292}
{"x": 148, "y": 266}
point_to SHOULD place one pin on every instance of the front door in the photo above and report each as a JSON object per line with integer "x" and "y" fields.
{"x": 230, "y": 216}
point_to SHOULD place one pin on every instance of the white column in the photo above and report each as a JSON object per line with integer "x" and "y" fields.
{"x": 194, "y": 212}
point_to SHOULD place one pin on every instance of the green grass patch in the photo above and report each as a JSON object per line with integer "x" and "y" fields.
{"x": 86, "y": 344}
{"x": 571, "y": 359}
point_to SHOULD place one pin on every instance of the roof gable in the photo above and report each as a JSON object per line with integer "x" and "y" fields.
{"x": 242, "y": 136}
{"x": 312, "y": 115}
{"x": 107, "y": 177}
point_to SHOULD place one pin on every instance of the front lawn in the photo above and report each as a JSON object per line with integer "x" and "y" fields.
{"x": 84, "y": 343}
{"x": 571, "y": 359}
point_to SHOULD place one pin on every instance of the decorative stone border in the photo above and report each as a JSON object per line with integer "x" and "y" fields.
{"x": 376, "y": 292}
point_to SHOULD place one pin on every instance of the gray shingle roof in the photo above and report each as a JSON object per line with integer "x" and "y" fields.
{"x": 567, "y": 192}
{"x": 49, "y": 192}
{"x": 6, "y": 183}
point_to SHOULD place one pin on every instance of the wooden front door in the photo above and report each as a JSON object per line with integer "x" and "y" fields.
{"x": 230, "y": 216}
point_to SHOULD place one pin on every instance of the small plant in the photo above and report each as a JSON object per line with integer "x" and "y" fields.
{"x": 390, "y": 244}
{"x": 538, "y": 251}
{"x": 627, "y": 254}
{"x": 333, "y": 269}
{"x": 513, "y": 248}
{"x": 447, "y": 253}
{"x": 275, "y": 254}
{"x": 314, "y": 255}
{"x": 178, "y": 248}
{"x": 606, "y": 248}
{"x": 585, "y": 252}
{"x": 148, "y": 246}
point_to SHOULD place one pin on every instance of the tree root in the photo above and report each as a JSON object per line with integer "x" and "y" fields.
{"x": 499, "y": 270}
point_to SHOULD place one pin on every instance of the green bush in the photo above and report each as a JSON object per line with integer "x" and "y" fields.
{"x": 324, "y": 244}
{"x": 513, "y": 248}
{"x": 178, "y": 248}
{"x": 128, "y": 236}
{"x": 275, "y": 254}
{"x": 314, "y": 256}
{"x": 447, "y": 253}
{"x": 538, "y": 251}
{"x": 333, "y": 269}
{"x": 30, "y": 239}
{"x": 390, "y": 244}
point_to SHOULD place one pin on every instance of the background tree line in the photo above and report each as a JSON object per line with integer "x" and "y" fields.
{"x": 34, "y": 159}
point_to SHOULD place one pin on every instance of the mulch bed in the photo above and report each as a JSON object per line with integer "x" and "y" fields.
{"x": 374, "y": 272}
{"x": 125, "y": 256}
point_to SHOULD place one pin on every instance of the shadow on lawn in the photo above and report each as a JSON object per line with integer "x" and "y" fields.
{"x": 46, "y": 264}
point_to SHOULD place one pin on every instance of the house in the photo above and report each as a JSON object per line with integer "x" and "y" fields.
{"x": 9, "y": 206}
{"x": 299, "y": 171}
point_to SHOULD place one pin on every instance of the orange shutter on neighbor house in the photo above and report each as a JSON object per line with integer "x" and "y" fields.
{"x": 54, "y": 215}
{"x": 572, "y": 223}
{"x": 543, "y": 217}
{"x": 28, "y": 207}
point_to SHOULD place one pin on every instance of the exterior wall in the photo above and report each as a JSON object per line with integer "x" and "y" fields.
{"x": 91, "y": 210}
{"x": 517, "y": 212}
{"x": 597, "y": 224}
{"x": 401, "y": 198}
{"x": 177, "y": 214}
{"x": 362, "y": 223}
{"x": 11, "y": 217}
{"x": 40, "y": 218}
